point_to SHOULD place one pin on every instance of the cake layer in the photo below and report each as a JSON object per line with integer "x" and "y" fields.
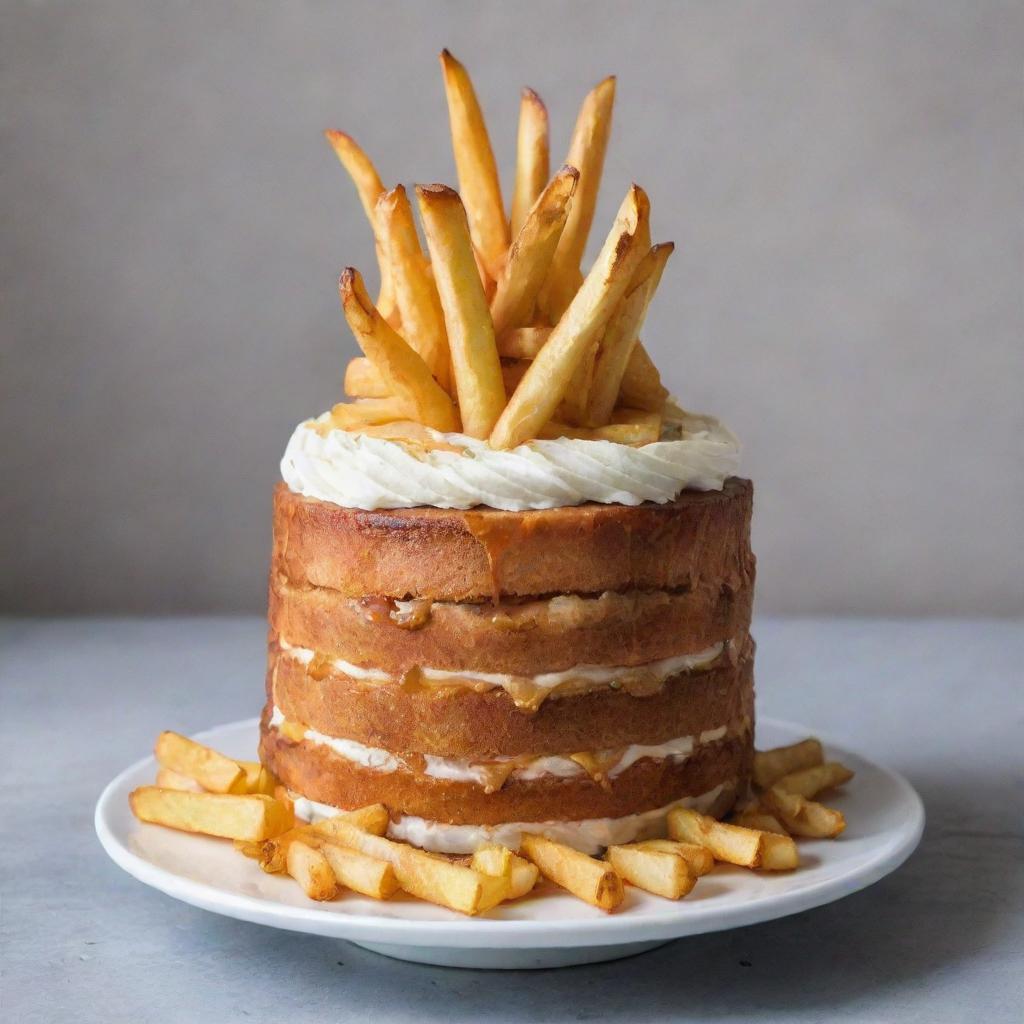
{"x": 459, "y": 721}
{"x": 318, "y": 773}
{"x": 521, "y": 638}
{"x": 480, "y": 554}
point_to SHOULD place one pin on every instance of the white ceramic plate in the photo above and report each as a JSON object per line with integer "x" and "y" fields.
{"x": 884, "y": 815}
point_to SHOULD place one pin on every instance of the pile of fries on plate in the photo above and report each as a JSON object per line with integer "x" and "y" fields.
{"x": 495, "y": 332}
{"x": 200, "y": 790}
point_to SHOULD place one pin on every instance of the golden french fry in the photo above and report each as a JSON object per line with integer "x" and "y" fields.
{"x": 309, "y": 867}
{"x": 759, "y": 820}
{"x": 586, "y": 152}
{"x": 735, "y": 845}
{"x": 282, "y": 796}
{"x": 530, "y": 256}
{"x": 360, "y": 873}
{"x": 659, "y": 871}
{"x": 248, "y": 849}
{"x": 403, "y": 368}
{"x": 476, "y": 167}
{"x": 531, "y": 157}
{"x": 373, "y": 818}
{"x": 257, "y": 778}
{"x": 493, "y": 859}
{"x": 415, "y": 292}
{"x": 252, "y": 817}
{"x": 367, "y": 412}
{"x": 426, "y": 876}
{"x": 363, "y": 380}
{"x": 476, "y": 369}
{"x": 168, "y": 779}
{"x": 804, "y": 817}
{"x": 522, "y": 342}
{"x": 369, "y": 186}
{"x": 621, "y": 334}
{"x": 780, "y": 853}
{"x": 621, "y": 433}
{"x": 698, "y": 857}
{"x": 809, "y": 782}
{"x": 772, "y": 765}
{"x": 214, "y": 772}
{"x": 586, "y": 878}
{"x": 641, "y": 383}
{"x": 551, "y": 372}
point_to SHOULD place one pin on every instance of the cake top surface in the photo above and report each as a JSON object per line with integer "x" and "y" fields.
{"x": 495, "y": 371}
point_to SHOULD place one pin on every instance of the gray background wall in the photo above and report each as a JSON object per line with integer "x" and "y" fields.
{"x": 843, "y": 182}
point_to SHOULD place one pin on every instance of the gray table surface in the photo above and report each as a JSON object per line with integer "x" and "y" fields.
{"x": 940, "y": 940}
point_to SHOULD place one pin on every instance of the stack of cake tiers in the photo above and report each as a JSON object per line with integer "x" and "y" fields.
{"x": 571, "y": 671}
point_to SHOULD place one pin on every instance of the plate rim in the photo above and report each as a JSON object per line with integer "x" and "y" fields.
{"x": 612, "y": 929}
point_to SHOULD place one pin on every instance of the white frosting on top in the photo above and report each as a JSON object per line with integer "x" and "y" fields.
{"x": 591, "y": 835}
{"x": 361, "y": 471}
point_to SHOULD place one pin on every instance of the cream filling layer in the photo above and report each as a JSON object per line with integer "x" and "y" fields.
{"x": 493, "y": 774}
{"x": 591, "y": 835}
{"x": 529, "y": 691}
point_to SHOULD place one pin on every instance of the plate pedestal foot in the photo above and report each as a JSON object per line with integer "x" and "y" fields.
{"x": 509, "y": 959}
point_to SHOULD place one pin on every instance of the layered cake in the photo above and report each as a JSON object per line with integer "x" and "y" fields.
{"x": 511, "y": 580}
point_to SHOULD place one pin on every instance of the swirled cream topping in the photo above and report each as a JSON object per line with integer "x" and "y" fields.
{"x": 361, "y": 471}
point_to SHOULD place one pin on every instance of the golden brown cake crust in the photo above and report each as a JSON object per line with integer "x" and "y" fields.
{"x": 519, "y": 638}
{"x": 321, "y": 775}
{"x": 477, "y": 555}
{"x": 461, "y": 723}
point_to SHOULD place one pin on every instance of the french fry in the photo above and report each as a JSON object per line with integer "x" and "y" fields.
{"x": 373, "y": 818}
{"x": 532, "y": 157}
{"x": 586, "y": 152}
{"x": 214, "y": 772}
{"x": 282, "y": 796}
{"x": 804, "y": 817}
{"x": 621, "y": 333}
{"x": 403, "y": 368}
{"x": 780, "y": 853}
{"x": 257, "y": 778}
{"x": 698, "y": 857}
{"x": 310, "y": 868}
{"x": 620, "y": 433}
{"x": 550, "y": 374}
{"x": 741, "y": 846}
{"x": 772, "y": 765}
{"x": 493, "y": 859}
{"x": 367, "y": 412}
{"x": 363, "y": 380}
{"x": 530, "y": 256}
{"x": 428, "y": 877}
{"x": 476, "y": 369}
{"x": 369, "y": 186}
{"x": 476, "y": 167}
{"x": 168, "y": 779}
{"x": 658, "y": 871}
{"x": 415, "y": 292}
{"x": 586, "y": 878}
{"x": 522, "y": 342}
{"x": 406, "y": 432}
{"x": 253, "y": 817}
{"x": 759, "y": 820}
{"x": 248, "y": 849}
{"x": 360, "y": 873}
{"x": 641, "y": 383}
{"x": 809, "y": 782}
